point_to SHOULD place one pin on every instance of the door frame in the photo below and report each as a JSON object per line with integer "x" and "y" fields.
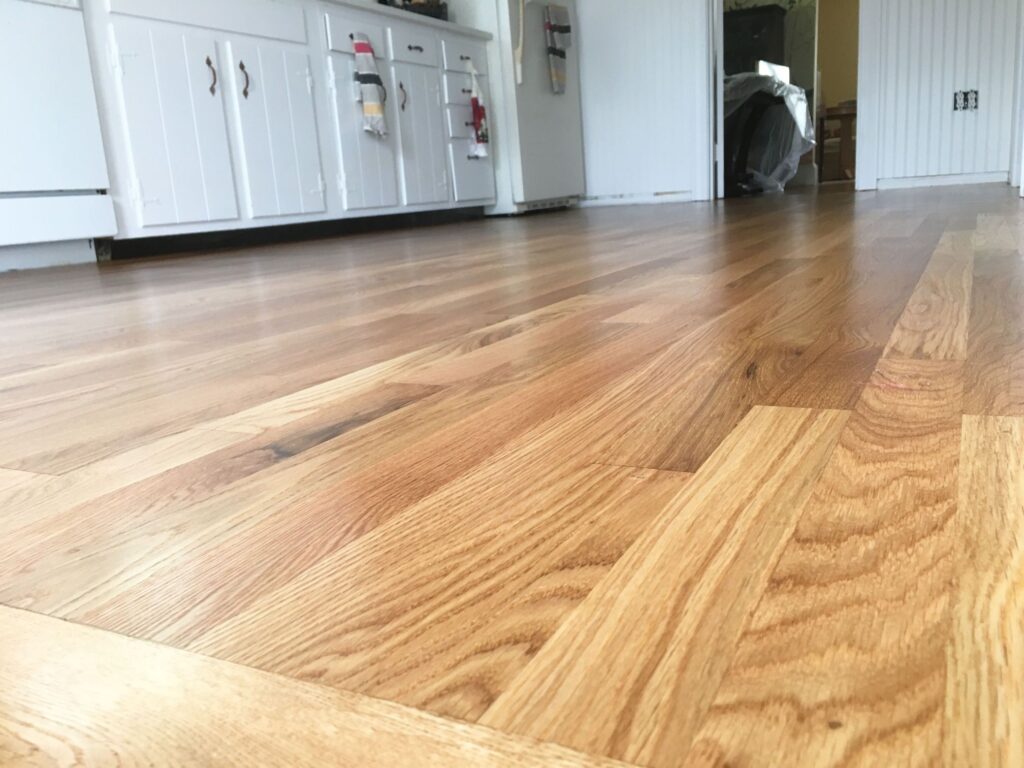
{"x": 716, "y": 45}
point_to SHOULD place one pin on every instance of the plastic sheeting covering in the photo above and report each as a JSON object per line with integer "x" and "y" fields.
{"x": 784, "y": 134}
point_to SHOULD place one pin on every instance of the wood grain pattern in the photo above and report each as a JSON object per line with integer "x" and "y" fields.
{"x": 985, "y": 690}
{"x": 660, "y": 607}
{"x": 448, "y": 632}
{"x": 934, "y": 324}
{"x": 73, "y": 695}
{"x": 544, "y": 473}
{"x": 844, "y": 660}
{"x": 994, "y": 377}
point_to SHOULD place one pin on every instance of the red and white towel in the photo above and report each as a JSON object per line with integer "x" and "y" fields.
{"x": 481, "y": 132}
{"x": 372, "y": 92}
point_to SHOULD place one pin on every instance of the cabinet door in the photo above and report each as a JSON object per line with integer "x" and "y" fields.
{"x": 369, "y": 162}
{"x": 273, "y": 97}
{"x": 417, "y": 90}
{"x": 176, "y": 123}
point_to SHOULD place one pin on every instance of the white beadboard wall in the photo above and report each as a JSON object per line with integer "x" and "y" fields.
{"x": 914, "y": 55}
{"x": 645, "y": 75}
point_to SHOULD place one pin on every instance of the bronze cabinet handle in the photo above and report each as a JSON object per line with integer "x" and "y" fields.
{"x": 405, "y": 96}
{"x": 213, "y": 85}
{"x": 245, "y": 89}
{"x": 467, "y": 91}
{"x": 417, "y": 48}
{"x": 464, "y": 57}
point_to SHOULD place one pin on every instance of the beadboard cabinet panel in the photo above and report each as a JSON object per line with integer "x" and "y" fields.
{"x": 172, "y": 88}
{"x": 421, "y": 133}
{"x": 369, "y": 176}
{"x": 274, "y": 103}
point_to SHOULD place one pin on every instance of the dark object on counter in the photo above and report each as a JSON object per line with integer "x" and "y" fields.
{"x": 439, "y": 10}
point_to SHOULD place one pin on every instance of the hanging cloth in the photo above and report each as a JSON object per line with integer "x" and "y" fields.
{"x": 481, "y": 133}
{"x": 372, "y": 92}
{"x": 558, "y": 31}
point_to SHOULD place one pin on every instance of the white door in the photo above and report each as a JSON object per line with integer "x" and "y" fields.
{"x": 172, "y": 84}
{"x": 369, "y": 162}
{"x": 417, "y": 92}
{"x": 47, "y": 87}
{"x": 273, "y": 97}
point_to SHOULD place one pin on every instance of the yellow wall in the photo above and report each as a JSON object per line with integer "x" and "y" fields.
{"x": 837, "y": 49}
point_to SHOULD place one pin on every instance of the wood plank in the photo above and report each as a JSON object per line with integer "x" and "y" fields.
{"x": 260, "y": 535}
{"x": 12, "y": 478}
{"x": 994, "y": 376}
{"x": 76, "y": 695}
{"x": 449, "y": 628}
{"x": 934, "y": 324}
{"x": 985, "y": 694}
{"x": 55, "y": 494}
{"x": 675, "y": 603}
{"x": 844, "y": 660}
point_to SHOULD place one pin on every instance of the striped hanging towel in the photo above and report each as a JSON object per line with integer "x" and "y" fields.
{"x": 372, "y": 92}
{"x": 558, "y": 32}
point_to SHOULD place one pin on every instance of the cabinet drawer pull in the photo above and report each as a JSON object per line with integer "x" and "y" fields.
{"x": 464, "y": 57}
{"x": 467, "y": 91}
{"x": 245, "y": 89}
{"x": 213, "y": 85}
{"x": 417, "y": 48}
{"x": 405, "y": 96}
{"x": 473, "y": 157}
{"x": 470, "y": 124}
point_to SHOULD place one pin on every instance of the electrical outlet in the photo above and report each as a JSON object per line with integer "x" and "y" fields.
{"x": 965, "y": 101}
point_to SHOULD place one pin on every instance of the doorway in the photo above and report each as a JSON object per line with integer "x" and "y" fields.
{"x": 838, "y": 39}
{"x": 766, "y": 72}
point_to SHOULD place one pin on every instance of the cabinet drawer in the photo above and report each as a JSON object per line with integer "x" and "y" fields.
{"x": 457, "y": 88}
{"x": 460, "y": 122}
{"x": 464, "y": 55}
{"x": 417, "y": 46}
{"x": 473, "y": 178}
{"x": 340, "y": 28}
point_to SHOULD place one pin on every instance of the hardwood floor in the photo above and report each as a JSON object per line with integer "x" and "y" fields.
{"x": 704, "y": 485}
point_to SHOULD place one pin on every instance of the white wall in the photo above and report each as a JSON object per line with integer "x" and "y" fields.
{"x": 645, "y": 76}
{"x": 914, "y": 54}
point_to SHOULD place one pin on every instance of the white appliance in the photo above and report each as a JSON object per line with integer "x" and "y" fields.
{"x": 52, "y": 164}
{"x": 537, "y": 135}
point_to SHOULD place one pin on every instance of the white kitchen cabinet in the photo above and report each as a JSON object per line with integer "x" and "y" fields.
{"x": 172, "y": 84}
{"x": 246, "y": 113}
{"x": 278, "y": 141}
{"x": 417, "y": 89}
{"x": 369, "y": 173}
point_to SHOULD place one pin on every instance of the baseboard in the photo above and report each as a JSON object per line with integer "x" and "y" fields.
{"x": 636, "y": 199}
{"x": 911, "y": 182}
{"x": 38, "y": 255}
